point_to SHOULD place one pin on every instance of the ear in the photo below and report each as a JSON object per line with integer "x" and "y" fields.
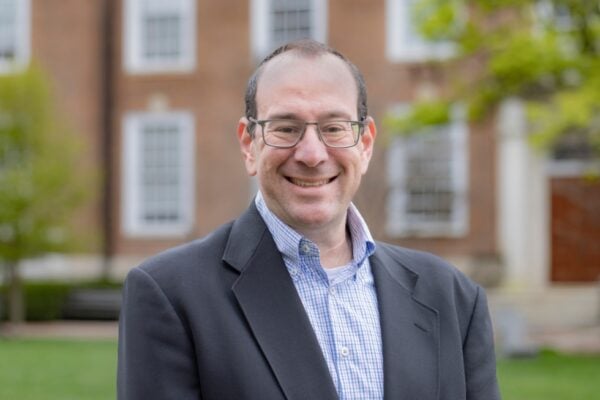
{"x": 246, "y": 146}
{"x": 367, "y": 141}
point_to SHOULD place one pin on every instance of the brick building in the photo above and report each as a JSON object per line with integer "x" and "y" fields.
{"x": 156, "y": 89}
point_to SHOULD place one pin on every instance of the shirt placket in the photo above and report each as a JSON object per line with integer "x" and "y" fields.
{"x": 341, "y": 347}
{"x": 324, "y": 294}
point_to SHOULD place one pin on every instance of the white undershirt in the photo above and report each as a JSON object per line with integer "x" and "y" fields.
{"x": 334, "y": 272}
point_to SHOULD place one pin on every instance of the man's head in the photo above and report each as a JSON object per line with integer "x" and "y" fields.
{"x": 308, "y": 48}
{"x": 310, "y": 184}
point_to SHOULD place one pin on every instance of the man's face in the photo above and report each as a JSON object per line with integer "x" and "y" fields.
{"x": 310, "y": 185}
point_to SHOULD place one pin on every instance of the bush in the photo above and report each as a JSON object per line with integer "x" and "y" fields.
{"x": 45, "y": 301}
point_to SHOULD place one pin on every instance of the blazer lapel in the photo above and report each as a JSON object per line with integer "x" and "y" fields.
{"x": 275, "y": 314}
{"x": 410, "y": 336}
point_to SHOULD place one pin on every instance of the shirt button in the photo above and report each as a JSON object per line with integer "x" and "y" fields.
{"x": 305, "y": 248}
{"x": 332, "y": 290}
{"x": 293, "y": 272}
{"x": 344, "y": 351}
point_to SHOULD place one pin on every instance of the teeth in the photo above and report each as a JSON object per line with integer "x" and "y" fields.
{"x": 308, "y": 183}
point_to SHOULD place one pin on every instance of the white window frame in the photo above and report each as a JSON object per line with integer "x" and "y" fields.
{"x": 398, "y": 222}
{"x": 22, "y": 39}
{"x": 132, "y": 222}
{"x": 135, "y": 62}
{"x": 404, "y": 43}
{"x": 261, "y": 25}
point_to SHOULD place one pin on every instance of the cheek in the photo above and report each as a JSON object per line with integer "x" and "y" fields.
{"x": 267, "y": 162}
{"x": 261, "y": 155}
{"x": 358, "y": 163}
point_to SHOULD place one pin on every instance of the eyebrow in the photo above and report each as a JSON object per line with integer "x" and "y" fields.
{"x": 330, "y": 115}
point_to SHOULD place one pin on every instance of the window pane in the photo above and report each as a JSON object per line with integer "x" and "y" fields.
{"x": 158, "y": 174}
{"x": 160, "y": 185}
{"x": 428, "y": 184}
{"x": 8, "y": 30}
{"x": 291, "y": 19}
{"x": 161, "y": 36}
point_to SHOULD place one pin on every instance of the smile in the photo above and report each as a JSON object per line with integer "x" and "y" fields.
{"x": 311, "y": 183}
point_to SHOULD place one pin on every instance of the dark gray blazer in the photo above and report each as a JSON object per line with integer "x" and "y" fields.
{"x": 219, "y": 319}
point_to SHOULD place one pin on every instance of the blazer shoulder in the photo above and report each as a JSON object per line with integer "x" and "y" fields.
{"x": 171, "y": 262}
{"x": 432, "y": 271}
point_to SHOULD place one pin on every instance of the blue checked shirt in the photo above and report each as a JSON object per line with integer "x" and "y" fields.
{"x": 341, "y": 304}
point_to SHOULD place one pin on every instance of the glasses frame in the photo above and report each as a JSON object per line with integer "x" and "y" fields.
{"x": 261, "y": 122}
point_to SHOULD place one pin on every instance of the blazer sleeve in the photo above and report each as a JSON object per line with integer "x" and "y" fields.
{"x": 156, "y": 355}
{"x": 478, "y": 350}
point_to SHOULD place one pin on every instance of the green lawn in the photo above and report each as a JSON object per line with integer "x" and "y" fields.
{"x": 550, "y": 376}
{"x": 57, "y": 369}
{"x": 85, "y": 370}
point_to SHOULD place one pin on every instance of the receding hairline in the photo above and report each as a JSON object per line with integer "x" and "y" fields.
{"x": 298, "y": 53}
{"x": 305, "y": 47}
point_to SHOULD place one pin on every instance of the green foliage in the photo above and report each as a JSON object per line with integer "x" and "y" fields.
{"x": 40, "y": 179}
{"x": 420, "y": 116}
{"x": 437, "y": 20}
{"x": 568, "y": 111}
{"x": 543, "y": 52}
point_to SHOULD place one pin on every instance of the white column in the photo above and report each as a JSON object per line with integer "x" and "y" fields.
{"x": 522, "y": 202}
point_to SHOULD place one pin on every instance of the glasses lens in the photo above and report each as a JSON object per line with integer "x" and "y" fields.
{"x": 282, "y": 133}
{"x": 339, "y": 133}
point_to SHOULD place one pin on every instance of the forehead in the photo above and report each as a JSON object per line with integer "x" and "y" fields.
{"x": 307, "y": 82}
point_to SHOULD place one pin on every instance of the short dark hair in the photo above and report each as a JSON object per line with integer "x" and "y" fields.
{"x": 310, "y": 48}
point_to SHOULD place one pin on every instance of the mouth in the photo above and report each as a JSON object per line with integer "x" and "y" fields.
{"x": 308, "y": 183}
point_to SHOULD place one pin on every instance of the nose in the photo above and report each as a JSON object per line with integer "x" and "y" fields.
{"x": 311, "y": 151}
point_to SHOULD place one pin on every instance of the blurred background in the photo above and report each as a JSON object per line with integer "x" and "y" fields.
{"x": 117, "y": 135}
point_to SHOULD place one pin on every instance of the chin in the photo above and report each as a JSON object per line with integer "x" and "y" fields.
{"x": 313, "y": 217}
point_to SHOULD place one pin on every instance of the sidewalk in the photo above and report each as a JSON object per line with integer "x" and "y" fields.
{"x": 62, "y": 330}
{"x": 584, "y": 340}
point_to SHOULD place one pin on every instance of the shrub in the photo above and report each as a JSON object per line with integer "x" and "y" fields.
{"x": 45, "y": 301}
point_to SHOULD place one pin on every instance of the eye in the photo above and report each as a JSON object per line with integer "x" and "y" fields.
{"x": 335, "y": 127}
{"x": 284, "y": 127}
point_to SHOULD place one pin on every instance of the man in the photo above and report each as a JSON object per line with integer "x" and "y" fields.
{"x": 294, "y": 299}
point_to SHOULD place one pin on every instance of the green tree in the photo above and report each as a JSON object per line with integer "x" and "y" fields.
{"x": 40, "y": 179}
{"x": 544, "y": 52}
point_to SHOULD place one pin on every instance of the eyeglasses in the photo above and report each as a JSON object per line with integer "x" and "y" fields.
{"x": 286, "y": 133}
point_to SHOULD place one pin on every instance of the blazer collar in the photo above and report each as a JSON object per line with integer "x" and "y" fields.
{"x": 409, "y": 330}
{"x": 274, "y": 311}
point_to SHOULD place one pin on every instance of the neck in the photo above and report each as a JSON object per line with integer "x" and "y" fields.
{"x": 335, "y": 248}
{"x": 338, "y": 255}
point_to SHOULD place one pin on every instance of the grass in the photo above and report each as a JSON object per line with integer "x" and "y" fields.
{"x": 74, "y": 370}
{"x": 550, "y": 376}
{"x": 57, "y": 369}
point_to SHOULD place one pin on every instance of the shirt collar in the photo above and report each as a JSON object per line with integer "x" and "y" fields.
{"x": 288, "y": 240}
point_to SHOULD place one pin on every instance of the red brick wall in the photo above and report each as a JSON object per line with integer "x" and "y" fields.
{"x": 66, "y": 42}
